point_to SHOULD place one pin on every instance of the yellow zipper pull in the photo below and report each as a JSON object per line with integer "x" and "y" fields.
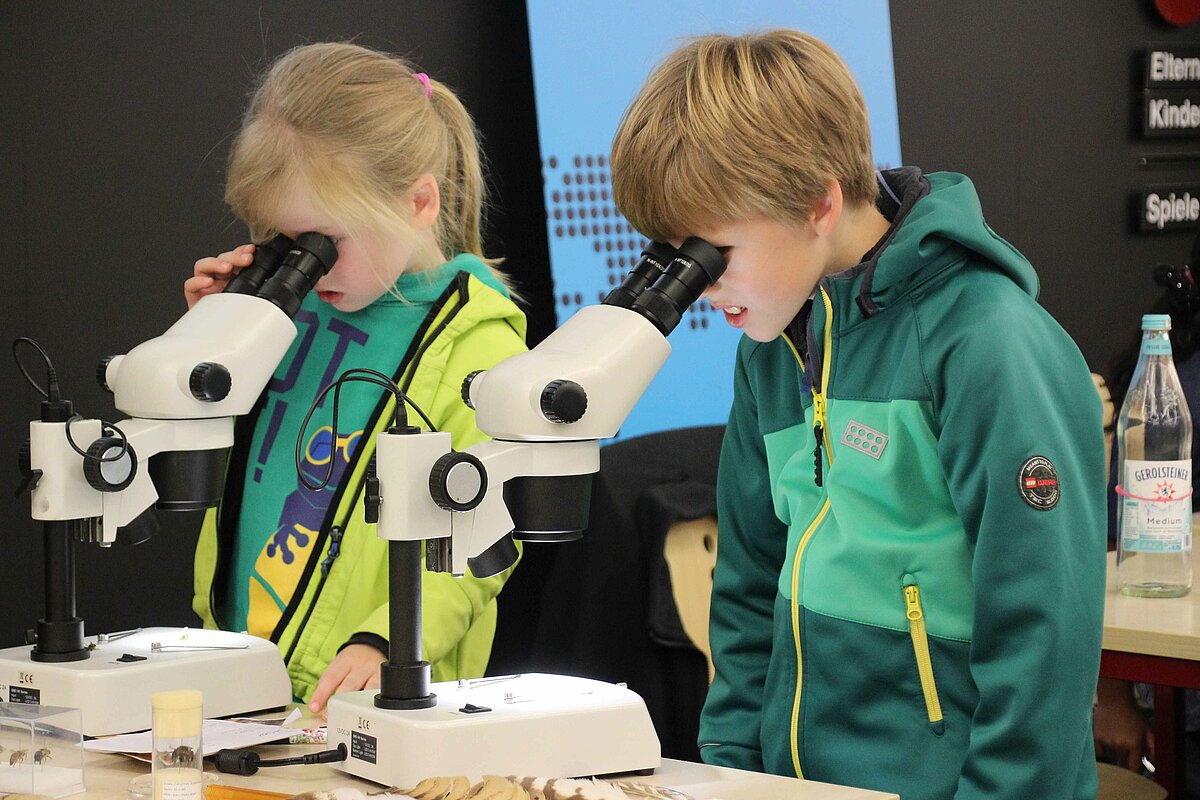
{"x": 819, "y": 435}
{"x": 912, "y": 599}
{"x": 819, "y": 392}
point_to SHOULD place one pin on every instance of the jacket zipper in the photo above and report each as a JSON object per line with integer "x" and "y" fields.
{"x": 424, "y": 337}
{"x": 335, "y": 549}
{"x": 235, "y": 477}
{"x": 796, "y": 634}
{"x": 920, "y": 641}
{"x": 819, "y": 393}
{"x": 819, "y": 426}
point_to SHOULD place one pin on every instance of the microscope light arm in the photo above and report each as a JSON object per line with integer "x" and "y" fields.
{"x": 421, "y": 479}
{"x": 117, "y": 491}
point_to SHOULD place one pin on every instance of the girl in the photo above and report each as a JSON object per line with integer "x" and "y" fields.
{"x": 353, "y": 144}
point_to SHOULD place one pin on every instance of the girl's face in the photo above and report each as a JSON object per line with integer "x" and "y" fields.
{"x": 367, "y": 265}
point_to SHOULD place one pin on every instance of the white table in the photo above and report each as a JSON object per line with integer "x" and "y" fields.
{"x": 1156, "y": 641}
{"x": 108, "y": 775}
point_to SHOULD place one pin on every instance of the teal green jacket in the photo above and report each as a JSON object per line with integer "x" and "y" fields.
{"x": 344, "y": 590}
{"x": 924, "y": 616}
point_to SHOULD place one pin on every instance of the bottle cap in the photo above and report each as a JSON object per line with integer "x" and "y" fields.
{"x": 177, "y": 714}
{"x": 1156, "y": 322}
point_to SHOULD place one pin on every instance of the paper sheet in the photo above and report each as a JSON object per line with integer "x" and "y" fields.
{"x": 217, "y": 734}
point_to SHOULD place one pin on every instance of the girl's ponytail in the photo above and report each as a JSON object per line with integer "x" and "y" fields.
{"x": 464, "y": 192}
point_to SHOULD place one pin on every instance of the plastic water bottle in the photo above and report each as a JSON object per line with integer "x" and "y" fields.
{"x": 1154, "y": 463}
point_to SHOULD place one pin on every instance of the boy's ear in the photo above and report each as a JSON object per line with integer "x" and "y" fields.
{"x": 827, "y": 210}
{"x": 426, "y": 201}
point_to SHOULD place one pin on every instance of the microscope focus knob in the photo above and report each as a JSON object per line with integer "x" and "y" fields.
{"x": 458, "y": 482}
{"x": 563, "y": 401}
{"x": 102, "y": 373}
{"x": 210, "y": 382}
{"x": 466, "y": 388}
{"x": 106, "y": 468}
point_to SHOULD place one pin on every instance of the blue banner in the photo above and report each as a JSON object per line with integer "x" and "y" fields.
{"x": 589, "y": 60}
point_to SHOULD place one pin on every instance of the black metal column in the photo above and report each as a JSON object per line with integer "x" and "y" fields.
{"x": 60, "y": 634}
{"x": 404, "y": 678}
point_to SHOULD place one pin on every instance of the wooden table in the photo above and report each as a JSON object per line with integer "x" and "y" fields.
{"x": 108, "y": 775}
{"x": 1156, "y": 641}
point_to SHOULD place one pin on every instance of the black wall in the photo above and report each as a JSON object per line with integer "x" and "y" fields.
{"x": 115, "y": 120}
{"x": 1038, "y": 103}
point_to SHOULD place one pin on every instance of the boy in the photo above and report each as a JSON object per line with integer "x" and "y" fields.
{"x": 909, "y": 592}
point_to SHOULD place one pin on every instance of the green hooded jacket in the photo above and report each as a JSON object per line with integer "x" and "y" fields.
{"x": 344, "y": 588}
{"x": 921, "y": 613}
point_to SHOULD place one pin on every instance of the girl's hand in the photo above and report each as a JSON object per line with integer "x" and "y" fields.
{"x": 355, "y": 668}
{"x": 210, "y": 275}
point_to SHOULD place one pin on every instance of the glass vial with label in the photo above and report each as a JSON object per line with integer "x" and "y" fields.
{"x": 1154, "y": 478}
{"x": 177, "y": 762}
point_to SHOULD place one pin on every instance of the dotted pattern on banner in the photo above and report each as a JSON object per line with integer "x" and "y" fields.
{"x": 579, "y": 203}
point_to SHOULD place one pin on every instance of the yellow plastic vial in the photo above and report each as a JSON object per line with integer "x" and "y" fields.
{"x": 177, "y": 760}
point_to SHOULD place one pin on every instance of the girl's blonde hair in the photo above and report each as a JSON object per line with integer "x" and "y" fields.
{"x": 356, "y": 128}
{"x": 731, "y": 127}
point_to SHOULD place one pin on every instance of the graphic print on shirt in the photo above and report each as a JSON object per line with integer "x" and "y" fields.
{"x": 285, "y": 549}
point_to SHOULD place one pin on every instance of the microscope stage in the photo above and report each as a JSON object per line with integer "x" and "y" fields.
{"x": 236, "y": 672}
{"x": 533, "y": 724}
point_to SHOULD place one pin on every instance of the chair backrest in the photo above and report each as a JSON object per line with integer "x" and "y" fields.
{"x": 690, "y": 550}
{"x": 1118, "y": 783}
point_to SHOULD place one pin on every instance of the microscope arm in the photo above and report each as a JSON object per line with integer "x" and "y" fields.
{"x": 421, "y": 480}
{"x": 116, "y": 492}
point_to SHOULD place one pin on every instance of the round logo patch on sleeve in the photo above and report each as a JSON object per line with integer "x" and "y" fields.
{"x": 1038, "y": 483}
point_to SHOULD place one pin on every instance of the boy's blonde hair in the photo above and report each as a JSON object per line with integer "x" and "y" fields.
{"x": 356, "y": 128}
{"x": 732, "y": 127}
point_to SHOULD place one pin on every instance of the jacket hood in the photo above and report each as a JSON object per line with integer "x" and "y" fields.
{"x": 937, "y": 224}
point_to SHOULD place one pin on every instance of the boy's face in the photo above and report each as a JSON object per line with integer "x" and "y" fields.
{"x": 366, "y": 266}
{"x": 772, "y": 269}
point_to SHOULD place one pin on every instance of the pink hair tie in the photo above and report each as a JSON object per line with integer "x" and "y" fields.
{"x": 424, "y": 79}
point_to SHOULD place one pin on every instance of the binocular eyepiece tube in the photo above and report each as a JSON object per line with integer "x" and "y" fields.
{"x": 284, "y": 271}
{"x": 667, "y": 280}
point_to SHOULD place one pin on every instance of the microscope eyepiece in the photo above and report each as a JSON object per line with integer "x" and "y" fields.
{"x": 650, "y": 266}
{"x": 696, "y": 265}
{"x": 310, "y": 257}
{"x": 267, "y": 256}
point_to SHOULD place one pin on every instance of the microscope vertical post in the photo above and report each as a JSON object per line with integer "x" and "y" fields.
{"x": 60, "y": 634}
{"x": 404, "y": 678}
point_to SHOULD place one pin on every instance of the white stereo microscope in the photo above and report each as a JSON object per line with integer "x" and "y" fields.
{"x": 546, "y": 411}
{"x": 100, "y": 483}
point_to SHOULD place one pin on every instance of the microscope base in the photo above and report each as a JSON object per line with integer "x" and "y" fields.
{"x": 543, "y": 725}
{"x": 237, "y": 673}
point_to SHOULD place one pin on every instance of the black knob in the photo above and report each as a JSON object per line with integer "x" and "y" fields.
{"x": 458, "y": 482}
{"x": 563, "y": 401}
{"x": 466, "y": 388}
{"x": 371, "y": 497}
{"x": 29, "y": 475}
{"x": 106, "y": 468}
{"x": 209, "y": 382}
{"x": 102, "y": 373}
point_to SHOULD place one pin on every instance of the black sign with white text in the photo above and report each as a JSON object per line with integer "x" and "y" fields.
{"x": 1169, "y": 208}
{"x": 1172, "y": 67}
{"x": 25, "y": 694}
{"x": 364, "y": 747}
{"x": 1171, "y": 113}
